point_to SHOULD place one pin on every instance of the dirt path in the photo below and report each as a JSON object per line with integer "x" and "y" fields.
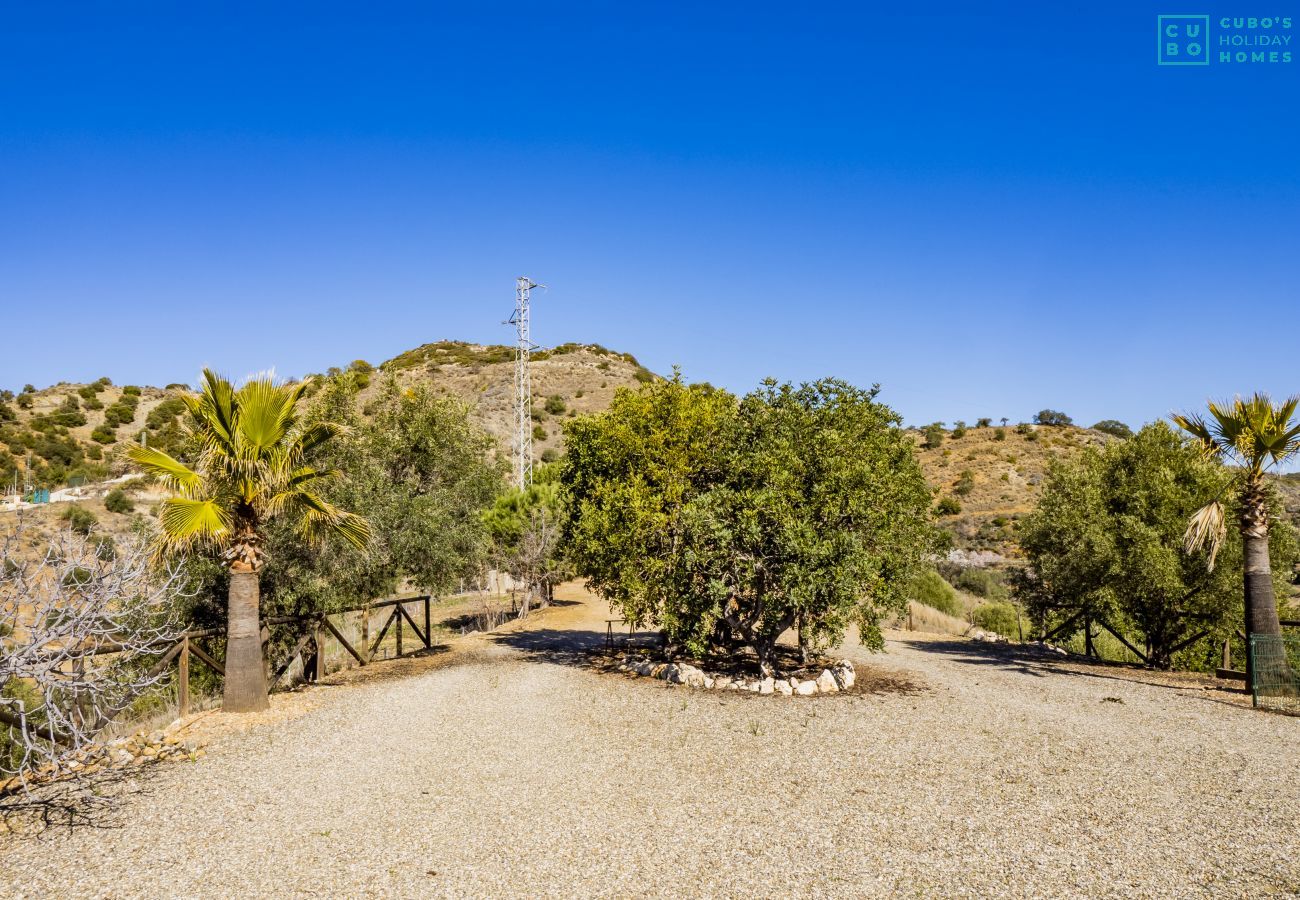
{"x": 509, "y": 768}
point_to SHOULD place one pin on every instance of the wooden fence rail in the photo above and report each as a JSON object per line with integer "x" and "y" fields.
{"x": 313, "y": 627}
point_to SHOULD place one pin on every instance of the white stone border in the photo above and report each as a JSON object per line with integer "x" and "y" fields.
{"x": 839, "y": 677}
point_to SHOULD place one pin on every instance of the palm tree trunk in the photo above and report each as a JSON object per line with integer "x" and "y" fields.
{"x": 245, "y": 689}
{"x": 1261, "y": 604}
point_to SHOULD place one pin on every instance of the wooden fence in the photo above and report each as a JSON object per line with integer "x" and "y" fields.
{"x": 1225, "y": 669}
{"x": 310, "y": 630}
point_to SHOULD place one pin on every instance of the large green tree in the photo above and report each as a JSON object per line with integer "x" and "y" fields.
{"x": 1106, "y": 543}
{"x": 250, "y": 468}
{"x": 730, "y": 522}
{"x": 421, "y": 472}
{"x": 1256, "y": 435}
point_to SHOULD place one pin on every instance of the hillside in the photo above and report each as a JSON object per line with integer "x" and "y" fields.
{"x": 992, "y": 473}
{"x": 995, "y": 474}
{"x": 73, "y": 432}
{"x": 567, "y": 381}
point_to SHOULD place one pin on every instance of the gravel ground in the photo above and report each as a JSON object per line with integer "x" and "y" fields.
{"x": 515, "y": 771}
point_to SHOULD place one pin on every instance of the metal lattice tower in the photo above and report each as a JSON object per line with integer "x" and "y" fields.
{"x": 523, "y": 438}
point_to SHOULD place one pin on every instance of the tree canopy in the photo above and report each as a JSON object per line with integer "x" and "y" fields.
{"x": 726, "y": 521}
{"x": 1106, "y": 540}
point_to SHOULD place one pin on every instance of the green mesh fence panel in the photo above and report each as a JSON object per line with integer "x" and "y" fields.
{"x": 1275, "y": 662}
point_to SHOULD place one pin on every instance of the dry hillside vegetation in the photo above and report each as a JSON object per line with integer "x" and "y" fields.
{"x": 996, "y": 481}
{"x": 568, "y": 380}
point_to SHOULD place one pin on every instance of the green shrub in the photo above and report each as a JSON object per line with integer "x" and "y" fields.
{"x": 103, "y": 434}
{"x": 24, "y": 401}
{"x": 643, "y": 375}
{"x": 550, "y": 454}
{"x": 131, "y": 391}
{"x": 1115, "y": 427}
{"x": 164, "y": 413}
{"x": 999, "y": 434}
{"x": 948, "y": 506}
{"x": 539, "y": 433}
{"x": 105, "y": 547}
{"x": 555, "y": 405}
{"x": 78, "y": 518}
{"x": 958, "y": 430}
{"x": 983, "y": 422}
{"x": 933, "y": 435}
{"x": 117, "y": 501}
{"x": 985, "y": 583}
{"x": 930, "y": 588}
{"x": 998, "y": 616}
{"x": 1052, "y": 417}
{"x": 965, "y": 483}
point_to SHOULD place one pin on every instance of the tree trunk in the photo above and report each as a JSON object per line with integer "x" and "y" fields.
{"x": 245, "y": 689}
{"x": 1261, "y": 604}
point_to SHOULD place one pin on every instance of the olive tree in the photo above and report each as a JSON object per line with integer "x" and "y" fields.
{"x": 1106, "y": 541}
{"x": 729, "y": 522}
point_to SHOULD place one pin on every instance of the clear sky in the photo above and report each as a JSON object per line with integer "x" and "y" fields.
{"x": 988, "y": 212}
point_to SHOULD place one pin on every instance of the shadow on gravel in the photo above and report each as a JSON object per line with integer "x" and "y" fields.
{"x": 583, "y": 649}
{"x": 1029, "y": 660}
{"x": 86, "y": 801}
{"x": 588, "y": 650}
{"x": 976, "y": 654}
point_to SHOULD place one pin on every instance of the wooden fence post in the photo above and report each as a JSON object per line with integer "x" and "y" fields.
{"x": 398, "y": 615}
{"x": 183, "y": 677}
{"x": 428, "y": 632}
{"x": 320, "y": 651}
{"x": 1088, "y": 650}
{"x": 1227, "y": 653}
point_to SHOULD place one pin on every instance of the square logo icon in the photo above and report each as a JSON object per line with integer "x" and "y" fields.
{"x": 1182, "y": 40}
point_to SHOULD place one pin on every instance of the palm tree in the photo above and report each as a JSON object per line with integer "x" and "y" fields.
{"x": 250, "y": 447}
{"x": 1256, "y": 435}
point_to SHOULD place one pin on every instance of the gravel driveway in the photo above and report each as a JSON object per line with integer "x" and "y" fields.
{"x": 516, "y": 772}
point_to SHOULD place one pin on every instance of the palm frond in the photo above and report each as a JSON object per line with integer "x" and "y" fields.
{"x": 171, "y": 473}
{"x": 188, "y": 523}
{"x": 1207, "y": 528}
{"x": 320, "y": 517}
{"x": 213, "y": 410}
{"x": 265, "y": 415}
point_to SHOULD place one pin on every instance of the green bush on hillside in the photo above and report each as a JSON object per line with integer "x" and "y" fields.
{"x": 117, "y": 501}
{"x": 998, "y": 616}
{"x": 965, "y": 483}
{"x": 986, "y": 583}
{"x": 933, "y": 435}
{"x": 948, "y": 506}
{"x": 78, "y": 518}
{"x": 929, "y": 588}
{"x": 1052, "y": 417}
{"x": 1115, "y": 427}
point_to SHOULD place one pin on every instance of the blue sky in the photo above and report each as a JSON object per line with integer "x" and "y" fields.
{"x": 989, "y": 213}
